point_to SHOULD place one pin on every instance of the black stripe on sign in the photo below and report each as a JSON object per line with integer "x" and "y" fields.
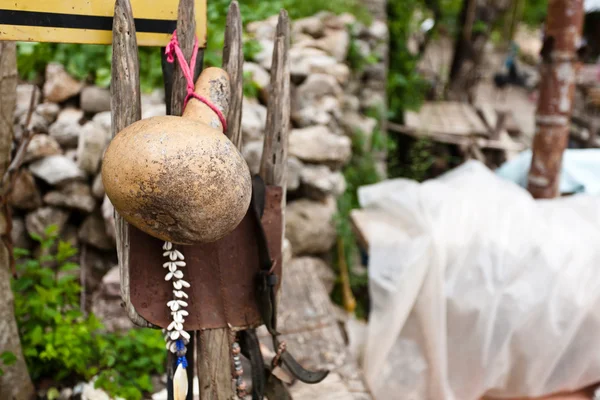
{"x": 98, "y": 23}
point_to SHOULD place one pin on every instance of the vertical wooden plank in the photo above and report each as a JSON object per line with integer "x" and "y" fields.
{"x": 233, "y": 63}
{"x": 214, "y": 355}
{"x": 175, "y": 93}
{"x": 186, "y": 34}
{"x": 273, "y": 166}
{"x": 125, "y": 90}
{"x": 558, "y": 72}
{"x": 15, "y": 383}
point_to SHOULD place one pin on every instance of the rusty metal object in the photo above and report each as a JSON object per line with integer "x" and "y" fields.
{"x": 558, "y": 75}
{"x": 179, "y": 178}
{"x": 222, "y": 273}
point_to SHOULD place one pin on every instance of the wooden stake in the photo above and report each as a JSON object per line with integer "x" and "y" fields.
{"x": 214, "y": 355}
{"x": 558, "y": 72}
{"x": 125, "y": 90}
{"x": 15, "y": 383}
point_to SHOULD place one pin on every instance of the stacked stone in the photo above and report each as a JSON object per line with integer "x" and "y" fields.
{"x": 60, "y": 181}
{"x": 329, "y": 103}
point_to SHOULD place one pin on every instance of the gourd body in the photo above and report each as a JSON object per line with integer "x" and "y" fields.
{"x": 177, "y": 178}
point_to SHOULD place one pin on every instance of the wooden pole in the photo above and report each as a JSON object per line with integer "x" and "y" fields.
{"x": 15, "y": 383}
{"x": 558, "y": 72}
{"x": 126, "y": 108}
{"x": 214, "y": 355}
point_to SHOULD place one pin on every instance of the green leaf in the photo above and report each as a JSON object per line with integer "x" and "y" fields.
{"x": 52, "y": 394}
{"x": 8, "y": 358}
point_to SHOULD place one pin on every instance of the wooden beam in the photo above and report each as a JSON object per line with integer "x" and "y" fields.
{"x": 273, "y": 165}
{"x": 186, "y": 35}
{"x": 233, "y": 63}
{"x": 125, "y": 90}
{"x": 214, "y": 356}
{"x": 558, "y": 72}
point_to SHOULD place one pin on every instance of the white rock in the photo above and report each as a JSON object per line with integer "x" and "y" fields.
{"x": 56, "y": 169}
{"x": 318, "y": 182}
{"x": 154, "y": 110}
{"x": 66, "y": 129}
{"x": 350, "y": 103}
{"x": 41, "y": 146}
{"x": 252, "y": 152}
{"x": 265, "y": 55}
{"x": 336, "y": 43}
{"x": 259, "y": 75}
{"x": 104, "y": 120}
{"x": 93, "y": 232}
{"x": 59, "y": 85}
{"x": 341, "y": 21}
{"x": 24, "y": 98}
{"x": 317, "y": 86}
{"x": 318, "y": 145}
{"x": 263, "y": 29}
{"x": 108, "y": 214}
{"x": 38, "y": 220}
{"x": 309, "y": 226}
{"x": 92, "y": 142}
{"x": 75, "y": 195}
{"x": 311, "y": 115}
{"x": 254, "y": 119}
{"x": 340, "y": 71}
{"x": 91, "y": 393}
{"x": 37, "y": 124}
{"x": 312, "y": 26}
{"x": 286, "y": 251}
{"x": 48, "y": 110}
{"x": 294, "y": 166}
{"x": 304, "y": 61}
{"x": 354, "y": 122}
{"x": 19, "y": 234}
{"x": 98, "y": 187}
{"x": 372, "y": 98}
{"x": 95, "y": 99}
{"x": 156, "y": 97}
{"x": 378, "y": 30}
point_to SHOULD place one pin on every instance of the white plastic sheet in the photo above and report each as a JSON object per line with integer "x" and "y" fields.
{"x": 477, "y": 289}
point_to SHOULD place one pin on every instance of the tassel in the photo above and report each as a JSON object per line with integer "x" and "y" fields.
{"x": 180, "y": 383}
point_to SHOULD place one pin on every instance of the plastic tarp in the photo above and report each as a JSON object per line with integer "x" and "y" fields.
{"x": 477, "y": 289}
{"x": 580, "y": 170}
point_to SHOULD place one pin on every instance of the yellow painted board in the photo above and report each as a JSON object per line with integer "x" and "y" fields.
{"x": 90, "y": 21}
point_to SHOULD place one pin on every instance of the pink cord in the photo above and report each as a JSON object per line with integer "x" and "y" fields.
{"x": 173, "y": 50}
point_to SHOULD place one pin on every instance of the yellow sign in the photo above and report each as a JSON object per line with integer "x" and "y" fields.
{"x": 90, "y": 21}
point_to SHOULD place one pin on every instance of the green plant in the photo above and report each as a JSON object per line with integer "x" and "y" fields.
{"x": 63, "y": 344}
{"x": 250, "y": 88}
{"x": 7, "y": 358}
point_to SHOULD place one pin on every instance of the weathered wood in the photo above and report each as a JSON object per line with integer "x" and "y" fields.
{"x": 186, "y": 35}
{"x": 233, "y": 63}
{"x": 558, "y": 73}
{"x": 446, "y": 117}
{"x": 15, "y": 383}
{"x": 214, "y": 355}
{"x": 126, "y": 108}
{"x": 273, "y": 165}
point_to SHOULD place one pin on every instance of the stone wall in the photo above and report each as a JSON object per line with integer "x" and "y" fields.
{"x": 60, "y": 182}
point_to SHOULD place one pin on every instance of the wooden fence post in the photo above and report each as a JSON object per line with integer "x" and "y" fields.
{"x": 564, "y": 25}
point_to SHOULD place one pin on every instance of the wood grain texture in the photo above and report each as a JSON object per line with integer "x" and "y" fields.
{"x": 273, "y": 166}
{"x": 126, "y": 109}
{"x": 214, "y": 358}
{"x": 233, "y": 63}
{"x": 15, "y": 383}
{"x": 186, "y": 34}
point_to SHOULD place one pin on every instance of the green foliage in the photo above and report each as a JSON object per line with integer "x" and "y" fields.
{"x": 61, "y": 343}
{"x": 7, "y": 358}
{"x": 405, "y": 88}
{"x": 250, "y": 88}
{"x": 534, "y": 12}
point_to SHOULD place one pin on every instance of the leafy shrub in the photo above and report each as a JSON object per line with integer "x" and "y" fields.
{"x": 62, "y": 343}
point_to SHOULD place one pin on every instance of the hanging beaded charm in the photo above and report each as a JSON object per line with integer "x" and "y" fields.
{"x": 175, "y": 336}
{"x": 240, "y": 384}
